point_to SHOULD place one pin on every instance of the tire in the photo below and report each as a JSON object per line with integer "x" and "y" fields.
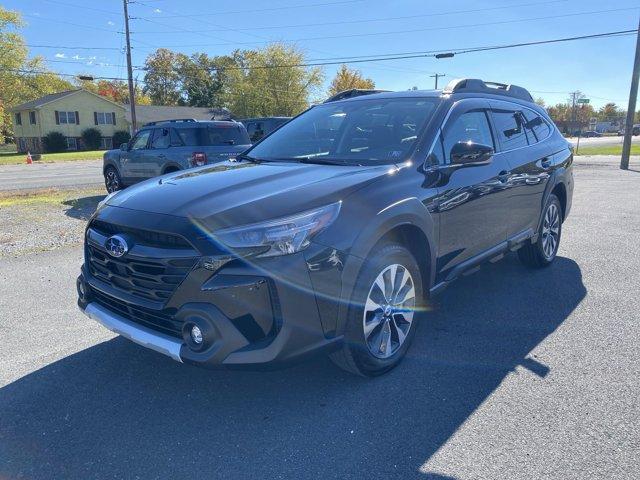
{"x": 389, "y": 332}
{"x": 543, "y": 252}
{"x": 112, "y": 181}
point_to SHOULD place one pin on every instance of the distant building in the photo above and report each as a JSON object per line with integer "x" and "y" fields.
{"x": 73, "y": 111}
{"x": 69, "y": 113}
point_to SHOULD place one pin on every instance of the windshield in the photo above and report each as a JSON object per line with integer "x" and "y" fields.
{"x": 365, "y": 132}
{"x": 213, "y": 136}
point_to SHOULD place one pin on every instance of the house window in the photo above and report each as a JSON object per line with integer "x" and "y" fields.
{"x": 67, "y": 117}
{"x": 72, "y": 144}
{"x": 18, "y": 119}
{"x": 104, "y": 118}
{"x": 106, "y": 143}
{"x": 32, "y": 118}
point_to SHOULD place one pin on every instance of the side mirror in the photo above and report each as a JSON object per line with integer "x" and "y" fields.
{"x": 470, "y": 153}
{"x": 124, "y": 147}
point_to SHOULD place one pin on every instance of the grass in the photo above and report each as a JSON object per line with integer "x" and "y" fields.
{"x": 607, "y": 150}
{"x": 73, "y": 198}
{"x": 12, "y": 158}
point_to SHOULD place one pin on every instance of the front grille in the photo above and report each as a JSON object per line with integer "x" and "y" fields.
{"x": 152, "y": 279}
{"x": 143, "y": 237}
{"x": 160, "y": 321}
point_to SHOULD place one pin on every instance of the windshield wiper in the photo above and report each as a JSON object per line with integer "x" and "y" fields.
{"x": 323, "y": 161}
{"x": 242, "y": 156}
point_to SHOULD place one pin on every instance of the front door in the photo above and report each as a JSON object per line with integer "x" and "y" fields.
{"x": 472, "y": 201}
{"x": 130, "y": 161}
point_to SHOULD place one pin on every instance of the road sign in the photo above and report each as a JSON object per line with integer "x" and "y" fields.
{"x": 583, "y": 100}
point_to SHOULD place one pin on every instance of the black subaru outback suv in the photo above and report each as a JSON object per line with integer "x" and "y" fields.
{"x": 332, "y": 233}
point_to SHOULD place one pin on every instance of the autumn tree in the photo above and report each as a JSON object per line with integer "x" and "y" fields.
{"x": 115, "y": 90}
{"x": 347, "y": 78}
{"x": 21, "y": 79}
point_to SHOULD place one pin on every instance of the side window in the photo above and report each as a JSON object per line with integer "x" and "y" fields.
{"x": 510, "y": 129}
{"x": 471, "y": 126}
{"x": 536, "y": 123}
{"x": 258, "y": 132}
{"x": 161, "y": 138}
{"x": 436, "y": 157}
{"x": 141, "y": 140}
{"x": 175, "y": 138}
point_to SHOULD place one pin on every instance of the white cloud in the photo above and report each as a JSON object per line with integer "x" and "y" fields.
{"x": 110, "y": 23}
{"x": 157, "y": 10}
{"x": 60, "y": 55}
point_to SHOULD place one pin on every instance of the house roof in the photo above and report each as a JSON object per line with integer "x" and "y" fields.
{"x": 156, "y": 113}
{"x": 52, "y": 97}
{"x": 38, "y": 102}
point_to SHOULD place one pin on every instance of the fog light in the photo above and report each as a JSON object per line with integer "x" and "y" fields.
{"x": 196, "y": 335}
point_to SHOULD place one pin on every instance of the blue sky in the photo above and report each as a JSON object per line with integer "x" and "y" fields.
{"x": 600, "y": 68}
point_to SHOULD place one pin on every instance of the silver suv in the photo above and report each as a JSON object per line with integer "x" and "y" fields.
{"x": 172, "y": 145}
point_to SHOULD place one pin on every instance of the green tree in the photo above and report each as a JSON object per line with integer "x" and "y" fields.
{"x": 162, "y": 78}
{"x": 21, "y": 79}
{"x": 270, "y": 82}
{"x": 202, "y": 79}
{"x": 347, "y": 78}
{"x": 609, "y": 112}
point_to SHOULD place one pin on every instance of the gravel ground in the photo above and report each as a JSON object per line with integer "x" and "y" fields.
{"x": 516, "y": 374}
{"x": 45, "y": 221}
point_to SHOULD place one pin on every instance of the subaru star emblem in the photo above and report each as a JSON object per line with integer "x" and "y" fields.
{"x": 116, "y": 246}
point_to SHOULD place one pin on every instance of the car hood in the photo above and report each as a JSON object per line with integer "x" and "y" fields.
{"x": 235, "y": 193}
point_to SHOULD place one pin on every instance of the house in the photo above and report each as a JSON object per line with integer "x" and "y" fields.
{"x": 70, "y": 113}
{"x": 156, "y": 113}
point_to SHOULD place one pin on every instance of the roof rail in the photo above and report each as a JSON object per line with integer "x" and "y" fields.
{"x": 475, "y": 85}
{"x": 354, "y": 92}
{"x": 173, "y": 120}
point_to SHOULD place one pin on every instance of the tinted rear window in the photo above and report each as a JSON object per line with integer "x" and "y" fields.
{"x": 213, "y": 136}
{"x": 509, "y": 125}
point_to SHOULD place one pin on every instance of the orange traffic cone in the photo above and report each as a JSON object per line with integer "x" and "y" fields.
{"x": 29, "y": 159}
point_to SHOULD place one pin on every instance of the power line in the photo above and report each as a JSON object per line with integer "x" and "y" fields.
{"x": 383, "y": 19}
{"x": 418, "y": 30}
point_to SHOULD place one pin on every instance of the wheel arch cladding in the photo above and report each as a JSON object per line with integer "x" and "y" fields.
{"x": 171, "y": 168}
{"x": 408, "y": 222}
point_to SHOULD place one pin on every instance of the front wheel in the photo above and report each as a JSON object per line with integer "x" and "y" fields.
{"x": 543, "y": 252}
{"x": 381, "y": 319}
{"x": 112, "y": 180}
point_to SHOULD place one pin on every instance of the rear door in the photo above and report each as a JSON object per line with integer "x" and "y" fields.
{"x": 521, "y": 134}
{"x": 473, "y": 201}
{"x": 157, "y": 156}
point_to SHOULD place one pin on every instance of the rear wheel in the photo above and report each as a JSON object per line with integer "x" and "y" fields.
{"x": 381, "y": 320}
{"x": 112, "y": 180}
{"x": 543, "y": 252}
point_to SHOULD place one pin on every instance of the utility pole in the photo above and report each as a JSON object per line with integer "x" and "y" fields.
{"x": 631, "y": 110}
{"x": 436, "y": 76}
{"x": 132, "y": 91}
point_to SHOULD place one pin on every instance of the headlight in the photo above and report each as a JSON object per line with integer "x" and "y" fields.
{"x": 282, "y": 236}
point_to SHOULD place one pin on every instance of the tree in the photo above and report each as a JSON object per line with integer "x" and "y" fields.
{"x": 540, "y": 101}
{"x": 162, "y": 80}
{"x": 115, "y": 90}
{"x": 346, "y": 79}
{"x": 21, "y": 79}
{"x": 202, "y": 79}
{"x": 270, "y": 82}
{"x": 609, "y": 112}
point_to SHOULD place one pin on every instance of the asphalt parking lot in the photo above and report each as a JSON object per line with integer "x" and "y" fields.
{"x": 516, "y": 374}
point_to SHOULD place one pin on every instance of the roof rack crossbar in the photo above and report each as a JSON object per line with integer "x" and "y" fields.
{"x": 475, "y": 85}
{"x": 173, "y": 120}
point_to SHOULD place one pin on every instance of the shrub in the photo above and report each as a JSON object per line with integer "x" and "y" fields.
{"x": 91, "y": 138}
{"x": 120, "y": 137}
{"x": 55, "y": 142}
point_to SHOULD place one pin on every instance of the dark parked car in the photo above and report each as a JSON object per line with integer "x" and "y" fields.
{"x": 591, "y": 133}
{"x": 172, "y": 145}
{"x": 333, "y": 233}
{"x": 260, "y": 127}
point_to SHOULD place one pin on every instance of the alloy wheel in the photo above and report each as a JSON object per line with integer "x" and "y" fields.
{"x": 112, "y": 181}
{"x": 388, "y": 311}
{"x": 550, "y": 231}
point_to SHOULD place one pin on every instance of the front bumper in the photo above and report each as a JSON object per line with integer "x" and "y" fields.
{"x": 264, "y": 314}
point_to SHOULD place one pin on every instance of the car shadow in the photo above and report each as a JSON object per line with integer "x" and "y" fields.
{"x": 82, "y": 208}
{"x": 120, "y": 411}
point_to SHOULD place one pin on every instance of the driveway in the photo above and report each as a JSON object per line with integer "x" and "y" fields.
{"x": 515, "y": 374}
